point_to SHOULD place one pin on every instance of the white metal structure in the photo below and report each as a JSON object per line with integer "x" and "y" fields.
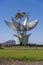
{"x": 22, "y": 28}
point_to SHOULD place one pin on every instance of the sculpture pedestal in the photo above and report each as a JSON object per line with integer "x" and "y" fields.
{"x": 23, "y": 39}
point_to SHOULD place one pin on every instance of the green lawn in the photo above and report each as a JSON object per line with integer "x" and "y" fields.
{"x": 22, "y": 54}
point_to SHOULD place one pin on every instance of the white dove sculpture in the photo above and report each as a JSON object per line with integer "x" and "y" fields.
{"x": 22, "y": 27}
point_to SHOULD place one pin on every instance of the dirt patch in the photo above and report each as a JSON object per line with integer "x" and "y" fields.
{"x": 12, "y": 62}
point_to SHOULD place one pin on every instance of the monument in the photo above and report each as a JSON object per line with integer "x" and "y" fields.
{"x": 21, "y": 24}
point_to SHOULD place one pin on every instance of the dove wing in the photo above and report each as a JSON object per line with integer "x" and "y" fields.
{"x": 10, "y": 25}
{"x": 16, "y": 24}
{"x": 31, "y": 25}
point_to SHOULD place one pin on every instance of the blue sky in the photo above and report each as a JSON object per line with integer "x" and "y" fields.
{"x": 9, "y": 8}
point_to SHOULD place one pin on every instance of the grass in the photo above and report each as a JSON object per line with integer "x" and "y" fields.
{"x": 30, "y": 55}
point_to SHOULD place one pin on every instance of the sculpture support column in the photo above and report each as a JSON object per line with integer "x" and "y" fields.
{"x": 23, "y": 39}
